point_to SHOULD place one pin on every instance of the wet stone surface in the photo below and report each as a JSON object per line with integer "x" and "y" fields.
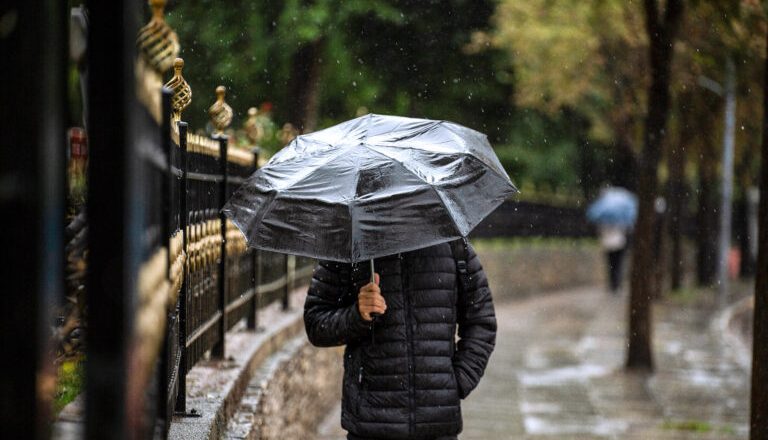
{"x": 557, "y": 373}
{"x": 291, "y": 391}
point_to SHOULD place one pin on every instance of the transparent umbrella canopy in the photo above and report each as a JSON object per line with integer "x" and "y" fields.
{"x": 370, "y": 187}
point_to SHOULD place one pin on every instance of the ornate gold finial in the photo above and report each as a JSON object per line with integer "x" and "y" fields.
{"x": 157, "y": 42}
{"x": 220, "y": 112}
{"x": 182, "y": 93}
{"x": 253, "y": 127}
{"x": 288, "y": 133}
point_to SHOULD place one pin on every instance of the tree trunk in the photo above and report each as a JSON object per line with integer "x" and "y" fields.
{"x": 676, "y": 198}
{"x": 625, "y": 166}
{"x": 659, "y": 250}
{"x": 662, "y": 37}
{"x": 706, "y": 218}
{"x": 759, "y": 404}
{"x": 746, "y": 215}
{"x": 303, "y": 86}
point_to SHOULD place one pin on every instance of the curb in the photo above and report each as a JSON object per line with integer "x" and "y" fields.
{"x": 724, "y": 326}
{"x": 215, "y": 387}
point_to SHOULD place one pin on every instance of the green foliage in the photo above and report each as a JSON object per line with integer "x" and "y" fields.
{"x": 576, "y": 54}
{"x": 542, "y": 152}
{"x": 552, "y": 154}
{"x": 426, "y": 66}
{"x": 394, "y": 56}
{"x": 406, "y": 57}
{"x": 70, "y": 382}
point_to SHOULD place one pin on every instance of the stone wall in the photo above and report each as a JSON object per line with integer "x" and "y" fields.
{"x": 521, "y": 267}
{"x": 301, "y": 392}
{"x": 290, "y": 395}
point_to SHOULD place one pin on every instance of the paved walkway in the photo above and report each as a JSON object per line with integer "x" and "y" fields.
{"x": 557, "y": 373}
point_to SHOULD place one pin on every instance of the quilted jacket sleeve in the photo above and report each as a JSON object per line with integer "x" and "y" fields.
{"x": 477, "y": 328}
{"x": 331, "y": 316}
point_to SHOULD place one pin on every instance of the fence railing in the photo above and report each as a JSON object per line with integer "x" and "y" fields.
{"x": 197, "y": 278}
{"x": 532, "y": 219}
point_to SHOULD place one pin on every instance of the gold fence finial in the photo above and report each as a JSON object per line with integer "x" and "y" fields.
{"x": 253, "y": 127}
{"x": 220, "y": 112}
{"x": 157, "y": 42}
{"x": 182, "y": 93}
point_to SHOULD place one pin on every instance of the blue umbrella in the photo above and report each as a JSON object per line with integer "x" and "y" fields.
{"x": 615, "y": 206}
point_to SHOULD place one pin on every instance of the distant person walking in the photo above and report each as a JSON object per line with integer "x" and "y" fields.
{"x": 614, "y": 241}
{"x": 614, "y": 212}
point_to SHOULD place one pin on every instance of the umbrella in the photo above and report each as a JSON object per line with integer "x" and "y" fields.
{"x": 615, "y": 206}
{"x": 369, "y": 187}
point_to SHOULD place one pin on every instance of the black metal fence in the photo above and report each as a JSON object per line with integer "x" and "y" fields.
{"x": 168, "y": 275}
{"x": 215, "y": 281}
{"x": 531, "y": 219}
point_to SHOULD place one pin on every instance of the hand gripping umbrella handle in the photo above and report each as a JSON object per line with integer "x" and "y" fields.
{"x": 373, "y": 315}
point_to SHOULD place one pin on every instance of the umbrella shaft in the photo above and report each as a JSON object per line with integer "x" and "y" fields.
{"x": 373, "y": 276}
{"x": 373, "y": 315}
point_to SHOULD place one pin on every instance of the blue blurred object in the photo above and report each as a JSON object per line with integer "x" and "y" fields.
{"x": 615, "y": 206}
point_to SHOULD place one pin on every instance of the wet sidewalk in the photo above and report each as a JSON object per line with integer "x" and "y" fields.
{"x": 557, "y": 373}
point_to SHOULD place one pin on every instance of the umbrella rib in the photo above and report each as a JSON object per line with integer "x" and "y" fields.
{"x": 339, "y": 153}
{"x": 368, "y": 127}
{"x": 293, "y": 144}
{"x": 352, "y": 220}
{"x": 440, "y": 196}
{"x": 437, "y": 193}
{"x": 458, "y": 153}
{"x": 490, "y": 166}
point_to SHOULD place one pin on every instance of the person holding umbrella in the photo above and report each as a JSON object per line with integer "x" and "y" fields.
{"x": 614, "y": 213}
{"x": 407, "y": 382}
{"x": 385, "y": 204}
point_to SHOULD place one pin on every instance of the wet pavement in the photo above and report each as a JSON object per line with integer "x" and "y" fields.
{"x": 557, "y": 373}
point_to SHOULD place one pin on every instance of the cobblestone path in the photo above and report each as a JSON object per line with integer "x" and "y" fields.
{"x": 557, "y": 373}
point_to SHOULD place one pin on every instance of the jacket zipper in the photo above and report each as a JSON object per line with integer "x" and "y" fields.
{"x": 361, "y": 387}
{"x": 409, "y": 343}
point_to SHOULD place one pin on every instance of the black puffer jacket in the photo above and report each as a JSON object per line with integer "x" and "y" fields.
{"x": 408, "y": 382}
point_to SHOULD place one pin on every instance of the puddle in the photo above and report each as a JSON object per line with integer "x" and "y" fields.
{"x": 673, "y": 348}
{"x": 703, "y": 379}
{"x": 601, "y": 427}
{"x": 557, "y": 376}
{"x": 540, "y": 408}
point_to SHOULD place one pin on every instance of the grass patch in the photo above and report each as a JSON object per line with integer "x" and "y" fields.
{"x": 687, "y": 295}
{"x": 688, "y": 425}
{"x": 695, "y": 296}
{"x": 70, "y": 382}
{"x": 509, "y": 243}
{"x": 699, "y": 426}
